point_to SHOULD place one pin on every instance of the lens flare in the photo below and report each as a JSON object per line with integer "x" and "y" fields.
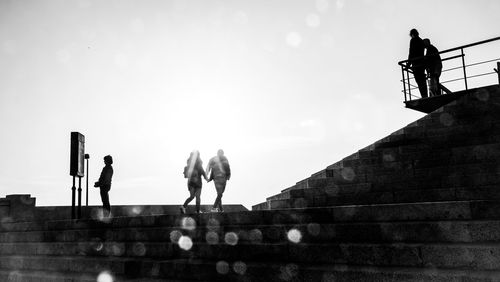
{"x": 294, "y": 235}
{"x": 188, "y": 223}
{"x": 222, "y": 267}
{"x": 105, "y": 276}
{"x": 185, "y": 243}
{"x": 212, "y": 238}
{"x": 240, "y": 267}
{"x": 231, "y": 238}
{"x": 175, "y": 236}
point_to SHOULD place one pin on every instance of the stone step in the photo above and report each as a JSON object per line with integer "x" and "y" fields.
{"x": 394, "y": 193}
{"x": 223, "y": 270}
{"x": 386, "y": 212}
{"x": 57, "y": 276}
{"x": 485, "y": 231}
{"x": 473, "y": 256}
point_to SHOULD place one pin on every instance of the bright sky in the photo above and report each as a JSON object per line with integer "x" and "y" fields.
{"x": 285, "y": 87}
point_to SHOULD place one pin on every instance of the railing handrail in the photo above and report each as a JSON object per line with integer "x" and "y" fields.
{"x": 402, "y": 63}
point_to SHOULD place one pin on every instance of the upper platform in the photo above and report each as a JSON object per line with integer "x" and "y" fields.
{"x": 464, "y": 67}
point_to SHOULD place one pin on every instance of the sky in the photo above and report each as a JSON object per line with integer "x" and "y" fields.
{"x": 284, "y": 87}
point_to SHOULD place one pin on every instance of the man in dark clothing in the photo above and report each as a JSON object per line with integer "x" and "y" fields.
{"x": 434, "y": 66}
{"x": 219, "y": 171}
{"x": 416, "y": 61}
{"x": 104, "y": 184}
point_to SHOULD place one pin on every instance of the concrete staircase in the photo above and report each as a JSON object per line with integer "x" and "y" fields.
{"x": 419, "y": 205}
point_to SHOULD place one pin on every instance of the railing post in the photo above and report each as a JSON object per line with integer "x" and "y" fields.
{"x": 463, "y": 66}
{"x": 409, "y": 85}
{"x": 498, "y": 71}
{"x": 404, "y": 85}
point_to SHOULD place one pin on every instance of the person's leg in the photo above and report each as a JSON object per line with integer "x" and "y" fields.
{"x": 433, "y": 85}
{"x": 190, "y": 198}
{"x": 419, "y": 74}
{"x": 198, "y": 199}
{"x": 220, "y": 186}
{"x": 105, "y": 201}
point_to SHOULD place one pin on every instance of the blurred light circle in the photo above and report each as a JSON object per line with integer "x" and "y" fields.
{"x": 212, "y": 238}
{"x": 185, "y": 243}
{"x": 222, "y": 267}
{"x": 294, "y": 235}
{"x": 231, "y": 238}
{"x": 105, "y": 276}
{"x": 188, "y": 223}
{"x": 240, "y": 267}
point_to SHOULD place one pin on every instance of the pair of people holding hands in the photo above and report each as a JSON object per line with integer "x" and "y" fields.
{"x": 218, "y": 170}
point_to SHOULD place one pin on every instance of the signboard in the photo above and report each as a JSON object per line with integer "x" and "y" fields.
{"x": 77, "y": 156}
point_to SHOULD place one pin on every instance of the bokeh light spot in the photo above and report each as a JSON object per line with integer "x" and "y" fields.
{"x": 213, "y": 224}
{"x": 212, "y": 238}
{"x": 294, "y": 235}
{"x": 139, "y": 249}
{"x": 222, "y": 267}
{"x": 288, "y": 272}
{"x": 135, "y": 210}
{"x": 446, "y": 119}
{"x": 240, "y": 267}
{"x": 314, "y": 229}
{"x": 105, "y": 276}
{"x": 255, "y": 236}
{"x": 175, "y": 236}
{"x": 185, "y": 243}
{"x": 231, "y": 238}
{"x": 348, "y": 174}
{"x": 188, "y": 223}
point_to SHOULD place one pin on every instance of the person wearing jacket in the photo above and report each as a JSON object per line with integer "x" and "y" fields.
{"x": 416, "y": 61}
{"x": 219, "y": 171}
{"x": 104, "y": 184}
{"x": 193, "y": 171}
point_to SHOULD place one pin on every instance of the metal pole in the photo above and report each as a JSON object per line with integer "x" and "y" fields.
{"x": 463, "y": 66}
{"x": 79, "y": 197}
{"x": 73, "y": 199}
{"x": 87, "y": 187}
{"x": 404, "y": 85}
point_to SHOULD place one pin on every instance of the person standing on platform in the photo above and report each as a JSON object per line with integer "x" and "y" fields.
{"x": 193, "y": 171}
{"x": 416, "y": 61}
{"x": 104, "y": 184}
{"x": 219, "y": 171}
{"x": 434, "y": 67}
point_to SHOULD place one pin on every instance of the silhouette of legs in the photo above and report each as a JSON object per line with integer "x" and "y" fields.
{"x": 194, "y": 192}
{"x": 105, "y": 201}
{"x": 419, "y": 74}
{"x": 220, "y": 186}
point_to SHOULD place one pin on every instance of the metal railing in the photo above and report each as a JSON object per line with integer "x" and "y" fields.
{"x": 450, "y": 73}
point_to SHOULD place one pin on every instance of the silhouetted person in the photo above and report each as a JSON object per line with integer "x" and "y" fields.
{"x": 219, "y": 171}
{"x": 193, "y": 172}
{"x": 434, "y": 66}
{"x": 104, "y": 184}
{"x": 416, "y": 61}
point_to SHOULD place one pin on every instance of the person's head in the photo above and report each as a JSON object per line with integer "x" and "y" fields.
{"x": 413, "y": 32}
{"x": 108, "y": 160}
{"x": 220, "y": 153}
{"x": 194, "y": 156}
{"x": 427, "y": 42}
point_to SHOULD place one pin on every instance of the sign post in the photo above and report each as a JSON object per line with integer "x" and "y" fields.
{"x": 77, "y": 169}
